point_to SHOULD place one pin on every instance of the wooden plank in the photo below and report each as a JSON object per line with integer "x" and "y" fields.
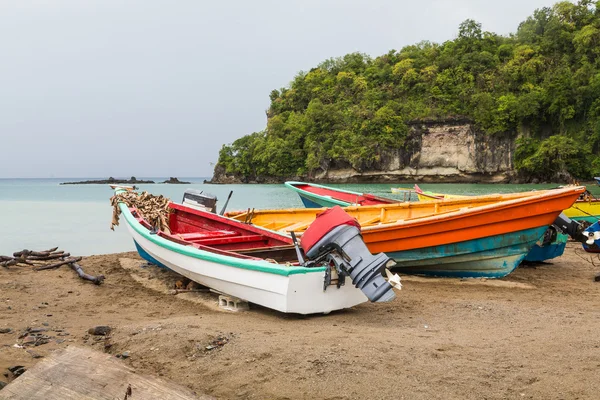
{"x": 84, "y": 374}
{"x": 299, "y": 226}
{"x": 205, "y": 235}
{"x": 229, "y": 240}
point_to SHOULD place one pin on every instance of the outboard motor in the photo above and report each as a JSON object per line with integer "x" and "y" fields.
{"x": 576, "y": 230}
{"x": 200, "y": 200}
{"x": 334, "y": 238}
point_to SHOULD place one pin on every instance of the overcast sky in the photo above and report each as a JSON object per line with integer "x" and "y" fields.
{"x": 97, "y": 88}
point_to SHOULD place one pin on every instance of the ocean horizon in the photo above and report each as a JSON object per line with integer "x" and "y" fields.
{"x": 39, "y": 213}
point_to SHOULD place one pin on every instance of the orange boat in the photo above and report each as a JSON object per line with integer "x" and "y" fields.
{"x": 483, "y": 237}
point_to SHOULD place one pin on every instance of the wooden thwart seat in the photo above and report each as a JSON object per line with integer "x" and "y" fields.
{"x": 229, "y": 240}
{"x": 196, "y": 236}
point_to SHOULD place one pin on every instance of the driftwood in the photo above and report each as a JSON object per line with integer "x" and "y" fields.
{"x": 96, "y": 279}
{"x": 10, "y": 262}
{"x": 154, "y": 209}
{"x": 48, "y": 259}
{"x": 58, "y": 264}
{"x": 44, "y": 253}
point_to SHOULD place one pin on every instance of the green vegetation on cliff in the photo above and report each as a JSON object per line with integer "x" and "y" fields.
{"x": 543, "y": 82}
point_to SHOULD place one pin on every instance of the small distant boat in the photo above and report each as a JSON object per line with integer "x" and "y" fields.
{"x": 247, "y": 262}
{"x": 430, "y": 196}
{"x": 485, "y": 236}
{"x": 407, "y": 193}
{"x": 316, "y": 196}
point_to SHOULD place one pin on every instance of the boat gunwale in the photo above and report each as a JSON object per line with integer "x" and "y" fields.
{"x": 191, "y": 251}
{"x": 291, "y": 185}
{"x": 522, "y": 199}
{"x": 473, "y": 210}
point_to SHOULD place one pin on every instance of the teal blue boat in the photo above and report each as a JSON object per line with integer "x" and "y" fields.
{"x": 317, "y": 196}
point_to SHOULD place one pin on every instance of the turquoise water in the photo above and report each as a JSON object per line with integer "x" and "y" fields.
{"x": 39, "y": 213}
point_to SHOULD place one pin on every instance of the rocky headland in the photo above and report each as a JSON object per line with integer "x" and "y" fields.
{"x": 452, "y": 151}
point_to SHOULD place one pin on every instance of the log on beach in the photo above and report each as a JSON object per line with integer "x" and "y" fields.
{"x": 95, "y": 279}
{"x": 49, "y": 259}
{"x": 78, "y": 373}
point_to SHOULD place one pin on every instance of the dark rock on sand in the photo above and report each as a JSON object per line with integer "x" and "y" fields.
{"x": 100, "y": 330}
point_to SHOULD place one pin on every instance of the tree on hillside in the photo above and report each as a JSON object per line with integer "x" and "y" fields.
{"x": 543, "y": 81}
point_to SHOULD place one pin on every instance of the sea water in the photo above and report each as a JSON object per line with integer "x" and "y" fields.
{"x": 37, "y": 214}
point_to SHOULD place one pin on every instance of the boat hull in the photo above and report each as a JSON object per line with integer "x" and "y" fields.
{"x": 541, "y": 253}
{"x": 445, "y": 238}
{"x": 584, "y": 211}
{"x": 300, "y": 293}
{"x": 319, "y": 201}
{"x": 490, "y": 257}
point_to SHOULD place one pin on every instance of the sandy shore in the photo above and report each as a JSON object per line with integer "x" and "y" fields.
{"x": 534, "y": 334}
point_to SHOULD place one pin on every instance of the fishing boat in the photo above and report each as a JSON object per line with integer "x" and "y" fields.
{"x": 399, "y": 190}
{"x": 244, "y": 261}
{"x": 407, "y": 193}
{"x": 586, "y": 210}
{"x": 487, "y": 236}
{"x": 316, "y": 196}
{"x": 430, "y": 196}
{"x": 550, "y": 245}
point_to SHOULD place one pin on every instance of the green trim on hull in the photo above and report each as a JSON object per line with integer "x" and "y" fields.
{"x": 311, "y": 200}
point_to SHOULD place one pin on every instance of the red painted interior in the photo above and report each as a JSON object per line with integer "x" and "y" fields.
{"x": 217, "y": 234}
{"x": 365, "y": 199}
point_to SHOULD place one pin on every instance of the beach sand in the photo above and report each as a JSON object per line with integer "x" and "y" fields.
{"x": 534, "y": 334}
